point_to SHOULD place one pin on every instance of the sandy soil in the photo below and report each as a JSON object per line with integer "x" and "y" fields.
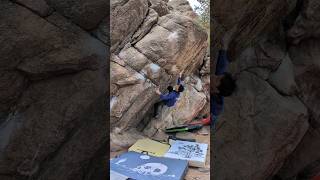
{"x": 202, "y": 136}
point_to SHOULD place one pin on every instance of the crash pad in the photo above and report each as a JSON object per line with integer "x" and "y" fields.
{"x": 150, "y": 147}
{"x": 144, "y": 167}
{"x": 117, "y": 176}
{"x": 194, "y": 153}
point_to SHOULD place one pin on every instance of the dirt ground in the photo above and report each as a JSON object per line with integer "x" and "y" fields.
{"x": 201, "y": 136}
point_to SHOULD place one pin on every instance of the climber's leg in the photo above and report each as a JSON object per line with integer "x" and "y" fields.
{"x": 213, "y": 121}
{"x": 157, "y": 108}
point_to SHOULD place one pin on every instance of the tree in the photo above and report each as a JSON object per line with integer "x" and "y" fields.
{"x": 204, "y": 11}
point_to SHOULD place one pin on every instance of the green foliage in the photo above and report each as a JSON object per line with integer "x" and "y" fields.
{"x": 204, "y": 11}
{"x": 204, "y": 15}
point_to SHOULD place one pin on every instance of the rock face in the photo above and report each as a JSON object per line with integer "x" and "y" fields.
{"x": 151, "y": 52}
{"x": 259, "y": 119}
{"x": 160, "y": 7}
{"x": 183, "y": 48}
{"x": 40, "y": 7}
{"x": 250, "y": 18}
{"x": 307, "y": 23}
{"x": 182, "y": 7}
{"x": 283, "y": 78}
{"x": 51, "y": 89}
{"x": 85, "y": 13}
{"x": 270, "y": 126}
{"x": 125, "y": 18}
{"x": 304, "y": 161}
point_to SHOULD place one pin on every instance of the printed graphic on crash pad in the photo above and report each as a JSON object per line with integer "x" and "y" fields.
{"x": 144, "y": 167}
{"x": 117, "y": 176}
{"x": 194, "y": 153}
{"x": 151, "y": 147}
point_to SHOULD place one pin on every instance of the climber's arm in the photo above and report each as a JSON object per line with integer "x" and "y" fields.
{"x": 158, "y": 91}
{"x": 166, "y": 96}
{"x": 179, "y": 81}
{"x": 222, "y": 57}
{"x": 216, "y": 105}
{"x": 179, "y": 78}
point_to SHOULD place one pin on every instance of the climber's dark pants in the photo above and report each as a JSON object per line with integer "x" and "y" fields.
{"x": 156, "y": 108}
{"x": 213, "y": 121}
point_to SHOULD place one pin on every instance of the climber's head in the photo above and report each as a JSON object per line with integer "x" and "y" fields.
{"x": 170, "y": 88}
{"x": 223, "y": 85}
{"x": 179, "y": 88}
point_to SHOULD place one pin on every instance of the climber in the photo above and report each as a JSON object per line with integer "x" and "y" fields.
{"x": 222, "y": 84}
{"x": 170, "y": 98}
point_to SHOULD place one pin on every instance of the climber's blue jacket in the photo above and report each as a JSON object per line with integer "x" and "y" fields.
{"x": 216, "y": 104}
{"x": 171, "y": 98}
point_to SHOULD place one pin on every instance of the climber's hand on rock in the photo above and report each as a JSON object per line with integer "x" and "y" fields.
{"x": 180, "y": 74}
{"x": 158, "y": 90}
